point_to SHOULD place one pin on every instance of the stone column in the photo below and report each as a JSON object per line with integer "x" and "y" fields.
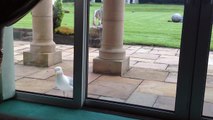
{"x": 112, "y": 58}
{"x": 42, "y": 48}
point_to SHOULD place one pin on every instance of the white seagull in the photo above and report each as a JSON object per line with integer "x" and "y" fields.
{"x": 63, "y": 82}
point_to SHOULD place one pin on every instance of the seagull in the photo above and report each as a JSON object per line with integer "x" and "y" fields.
{"x": 63, "y": 82}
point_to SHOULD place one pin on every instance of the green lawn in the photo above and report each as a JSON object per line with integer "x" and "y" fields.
{"x": 144, "y": 23}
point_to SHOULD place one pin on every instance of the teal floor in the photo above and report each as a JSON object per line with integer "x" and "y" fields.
{"x": 45, "y": 112}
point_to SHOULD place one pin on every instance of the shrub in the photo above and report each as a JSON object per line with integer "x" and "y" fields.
{"x": 64, "y": 30}
{"x": 68, "y": 0}
{"x": 58, "y": 13}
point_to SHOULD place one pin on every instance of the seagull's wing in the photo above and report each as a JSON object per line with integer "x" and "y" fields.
{"x": 70, "y": 80}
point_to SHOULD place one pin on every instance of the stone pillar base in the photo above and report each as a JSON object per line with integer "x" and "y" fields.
{"x": 42, "y": 59}
{"x": 111, "y": 67}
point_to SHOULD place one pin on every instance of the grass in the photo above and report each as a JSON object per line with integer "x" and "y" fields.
{"x": 144, "y": 24}
{"x": 148, "y": 24}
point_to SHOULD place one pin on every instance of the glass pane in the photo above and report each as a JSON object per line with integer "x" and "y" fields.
{"x": 152, "y": 35}
{"x": 37, "y": 53}
{"x": 208, "y": 100}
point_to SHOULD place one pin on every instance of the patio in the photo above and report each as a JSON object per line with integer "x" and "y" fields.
{"x": 151, "y": 80}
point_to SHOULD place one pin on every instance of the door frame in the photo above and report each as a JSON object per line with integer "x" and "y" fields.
{"x": 190, "y": 73}
{"x": 201, "y": 61}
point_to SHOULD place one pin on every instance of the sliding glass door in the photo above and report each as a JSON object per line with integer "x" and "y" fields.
{"x": 160, "y": 40}
{"x": 51, "y": 68}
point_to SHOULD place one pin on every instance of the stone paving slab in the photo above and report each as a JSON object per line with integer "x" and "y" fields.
{"x": 178, "y": 53}
{"x": 172, "y": 68}
{"x": 172, "y": 78}
{"x": 146, "y": 74}
{"x": 141, "y": 60}
{"x": 210, "y": 61}
{"x": 93, "y": 96}
{"x": 165, "y": 102}
{"x": 63, "y": 47}
{"x": 208, "y": 109}
{"x": 92, "y": 76}
{"x": 171, "y": 60}
{"x": 57, "y": 92}
{"x": 210, "y": 70}
{"x": 111, "y": 99}
{"x": 209, "y": 81}
{"x": 92, "y": 49}
{"x": 143, "y": 99}
{"x": 22, "y": 50}
{"x": 126, "y": 46}
{"x": 20, "y": 43}
{"x": 18, "y": 77}
{"x": 113, "y": 86}
{"x": 22, "y": 70}
{"x": 34, "y": 85}
{"x": 66, "y": 64}
{"x": 16, "y": 61}
{"x": 155, "y": 66}
{"x": 43, "y": 74}
{"x": 53, "y": 78}
{"x": 16, "y": 53}
{"x": 164, "y": 51}
{"x": 157, "y": 88}
{"x": 65, "y": 54}
{"x": 132, "y": 63}
{"x": 208, "y": 95}
{"x": 145, "y": 56}
{"x": 69, "y": 57}
{"x": 91, "y": 59}
{"x": 21, "y": 47}
{"x": 18, "y": 57}
{"x": 144, "y": 50}
{"x": 134, "y": 47}
{"x": 71, "y": 51}
{"x": 148, "y": 47}
{"x": 130, "y": 52}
